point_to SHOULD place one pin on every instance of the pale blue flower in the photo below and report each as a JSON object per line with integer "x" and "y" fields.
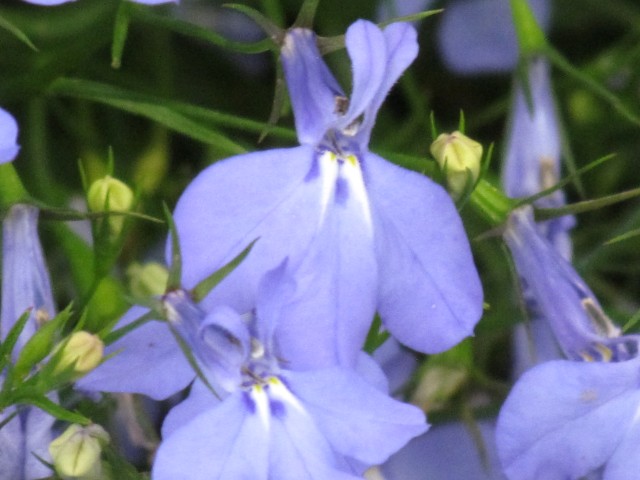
{"x": 266, "y": 421}
{"x": 477, "y": 36}
{"x": 51, "y": 3}
{"x": 8, "y": 137}
{"x": 25, "y": 287}
{"x": 361, "y": 234}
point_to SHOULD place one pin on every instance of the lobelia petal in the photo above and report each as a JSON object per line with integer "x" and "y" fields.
{"x": 38, "y": 434}
{"x": 26, "y": 282}
{"x": 272, "y": 195}
{"x": 477, "y": 36}
{"x": 229, "y": 442}
{"x": 429, "y": 294}
{"x": 358, "y": 420}
{"x": 300, "y": 452}
{"x": 12, "y": 446}
{"x": 312, "y": 87}
{"x": 534, "y": 149}
{"x": 199, "y": 400}
{"x": 148, "y": 360}
{"x": 555, "y": 290}
{"x": 625, "y": 463}
{"x": 580, "y": 409}
{"x": 367, "y": 50}
{"x": 402, "y": 49}
{"x": 9, "y": 147}
{"x": 320, "y": 330}
{"x": 48, "y": 2}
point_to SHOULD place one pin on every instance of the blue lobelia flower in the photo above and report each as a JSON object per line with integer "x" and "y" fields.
{"x": 51, "y": 3}
{"x": 361, "y": 233}
{"x": 265, "y": 420}
{"x": 477, "y": 36}
{"x": 533, "y": 154}
{"x": 25, "y": 285}
{"x": 9, "y": 147}
{"x": 585, "y": 408}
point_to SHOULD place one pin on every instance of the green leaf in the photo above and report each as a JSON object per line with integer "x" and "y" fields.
{"x": 19, "y": 34}
{"x": 306, "y": 14}
{"x": 40, "y": 344}
{"x": 173, "y": 24}
{"x": 586, "y": 206}
{"x": 6, "y": 347}
{"x": 155, "y": 109}
{"x": 11, "y": 189}
{"x": 43, "y": 403}
{"x": 530, "y": 36}
{"x": 175, "y": 272}
{"x": 205, "y": 286}
{"x": 624, "y": 236}
{"x": 120, "y": 31}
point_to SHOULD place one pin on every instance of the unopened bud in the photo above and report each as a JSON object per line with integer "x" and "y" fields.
{"x": 76, "y": 453}
{"x": 83, "y": 352}
{"x": 109, "y": 194}
{"x": 147, "y": 280}
{"x": 460, "y": 157}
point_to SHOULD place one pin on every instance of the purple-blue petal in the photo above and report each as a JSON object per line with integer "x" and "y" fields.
{"x": 367, "y": 49}
{"x": 429, "y": 293}
{"x": 225, "y": 442}
{"x": 273, "y": 196}
{"x": 25, "y": 279}
{"x": 8, "y": 137}
{"x": 477, "y": 36}
{"x": 582, "y": 410}
{"x": 147, "y": 360}
{"x": 312, "y": 87}
{"x": 359, "y": 421}
{"x": 48, "y": 3}
{"x": 401, "y": 50}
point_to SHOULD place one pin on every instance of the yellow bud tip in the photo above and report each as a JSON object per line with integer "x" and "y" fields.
{"x": 76, "y": 453}
{"x": 83, "y": 351}
{"x": 460, "y": 157}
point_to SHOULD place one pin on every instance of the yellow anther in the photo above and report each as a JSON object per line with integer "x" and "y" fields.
{"x": 606, "y": 352}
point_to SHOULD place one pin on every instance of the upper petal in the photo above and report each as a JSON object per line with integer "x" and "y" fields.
{"x": 367, "y": 49}
{"x": 401, "y": 50}
{"x": 312, "y": 87}
{"x": 429, "y": 294}
{"x": 147, "y": 360}
{"x": 359, "y": 421}
{"x": 580, "y": 409}
{"x": 8, "y": 137}
{"x": 273, "y": 196}
{"x": 227, "y": 441}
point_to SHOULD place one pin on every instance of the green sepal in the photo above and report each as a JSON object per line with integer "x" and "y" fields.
{"x": 203, "y": 288}
{"x": 585, "y": 205}
{"x": 40, "y": 344}
{"x": 175, "y": 270}
{"x": 120, "y": 32}
{"x": 376, "y": 336}
{"x": 12, "y": 190}
{"x": 531, "y": 38}
{"x": 16, "y": 32}
{"x": 9, "y": 343}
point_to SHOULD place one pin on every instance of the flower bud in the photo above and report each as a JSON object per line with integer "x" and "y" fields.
{"x": 110, "y": 194}
{"x": 147, "y": 280}
{"x": 82, "y": 351}
{"x": 460, "y": 157}
{"x": 76, "y": 453}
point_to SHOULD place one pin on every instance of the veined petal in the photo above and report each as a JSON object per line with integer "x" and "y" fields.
{"x": 320, "y": 330}
{"x": 299, "y": 450}
{"x": 401, "y": 50}
{"x": 367, "y": 49}
{"x": 312, "y": 87}
{"x": 625, "y": 463}
{"x": 11, "y": 446}
{"x": 26, "y": 283}
{"x": 38, "y": 434}
{"x": 557, "y": 293}
{"x": 580, "y": 409}
{"x": 222, "y": 443}
{"x": 359, "y": 421}
{"x": 273, "y": 196}
{"x": 200, "y": 399}
{"x": 148, "y": 361}
{"x": 429, "y": 294}
{"x": 478, "y": 36}
{"x": 8, "y": 137}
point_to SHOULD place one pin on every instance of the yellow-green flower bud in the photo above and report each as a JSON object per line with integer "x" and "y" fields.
{"x": 76, "y": 453}
{"x": 109, "y": 194}
{"x": 83, "y": 351}
{"x": 147, "y": 280}
{"x": 460, "y": 157}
